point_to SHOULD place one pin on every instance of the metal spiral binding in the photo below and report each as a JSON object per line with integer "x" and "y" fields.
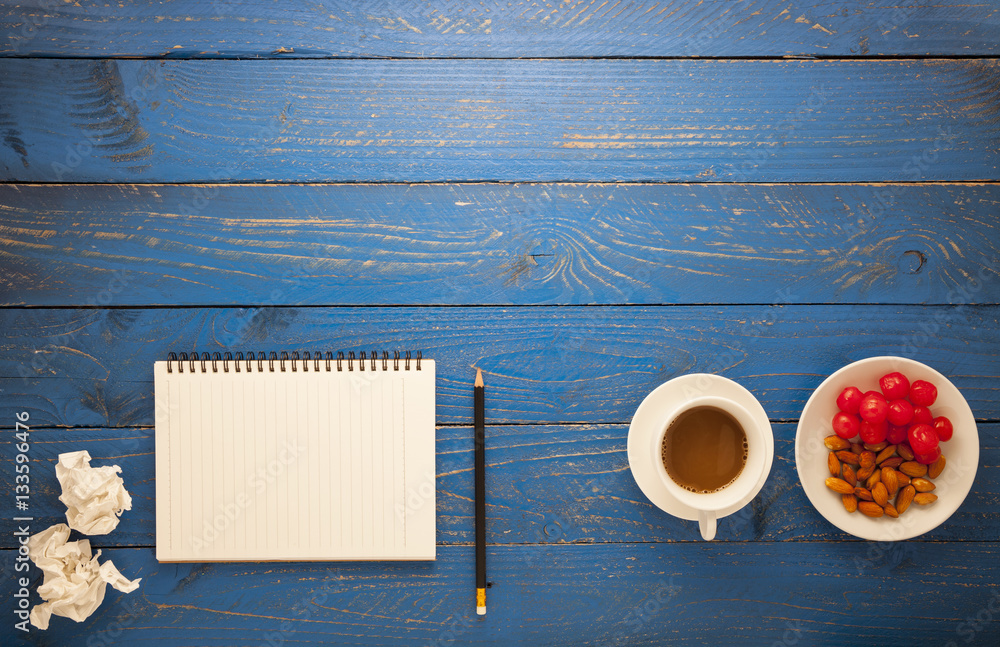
{"x": 367, "y": 361}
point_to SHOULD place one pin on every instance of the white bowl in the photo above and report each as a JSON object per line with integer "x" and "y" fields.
{"x": 961, "y": 452}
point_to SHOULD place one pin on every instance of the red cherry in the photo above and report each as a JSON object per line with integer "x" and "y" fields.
{"x": 944, "y": 428}
{"x": 929, "y": 457}
{"x": 923, "y": 439}
{"x": 849, "y": 400}
{"x": 894, "y": 385}
{"x": 845, "y": 425}
{"x": 874, "y": 407}
{"x": 923, "y": 393}
{"x": 922, "y": 416}
{"x": 896, "y": 434}
{"x": 900, "y": 412}
{"x": 873, "y": 432}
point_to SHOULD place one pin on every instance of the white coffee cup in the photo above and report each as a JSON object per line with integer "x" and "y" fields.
{"x": 708, "y": 505}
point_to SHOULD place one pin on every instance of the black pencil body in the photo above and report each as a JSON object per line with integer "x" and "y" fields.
{"x": 480, "y": 475}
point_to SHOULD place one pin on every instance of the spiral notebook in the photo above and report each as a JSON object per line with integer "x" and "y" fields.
{"x": 284, "y": 457}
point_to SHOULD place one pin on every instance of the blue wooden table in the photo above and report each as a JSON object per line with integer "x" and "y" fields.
{"x": 582, "y": 199}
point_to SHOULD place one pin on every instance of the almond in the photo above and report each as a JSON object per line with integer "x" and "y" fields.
{"x": 879, "y": 494}
{"x": 936, "y": 467}
{"x": 890, "y": 481}
{"x": 833, "y": 464}
{"x": 848, "y": 457}
{"x": 904, "y": 498}
{"x": 865, "y": 472}
{"x": 839, "y": 485}
{"x": 887, "y": 452}
{"x": 890, "y": 511}
{"x": 857, "y": 448}
{"x": 922, "y": 485}
{"x": 850, "y": 502}
{"x": 863, "y": 493}
{"x": 913, "y": 468}
{"x": 866, "y": 458}
{"x": 836, "y": 443}
{"x": 870, "y": 508}
{"x": 892, "y": 461}
{"x": 904, "y": 450}
{"x": 923, "y": 498}
{"x": 877, "y": 447}
{"x": 875, "y": 477}
{"x": 849, "y": 475}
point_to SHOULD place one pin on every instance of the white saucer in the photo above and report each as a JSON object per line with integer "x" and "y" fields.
{"x": 658, "y": 407}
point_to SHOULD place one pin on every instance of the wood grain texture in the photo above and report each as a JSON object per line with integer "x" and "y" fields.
{"x": 613, "y": 594}
{"x": 335, "y": 28}
{"x": 506, "y": 120}
{"x": 139, "y": 245}
{"x": 546, "y": 484}
{"x": 93, "y": 367}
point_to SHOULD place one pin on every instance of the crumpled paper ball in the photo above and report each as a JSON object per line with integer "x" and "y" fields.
{"x": 74, "y": 582}
{"x": 94, "y": 496}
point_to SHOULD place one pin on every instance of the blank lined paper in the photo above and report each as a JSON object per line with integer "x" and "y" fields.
{"x": 300, "y": 465}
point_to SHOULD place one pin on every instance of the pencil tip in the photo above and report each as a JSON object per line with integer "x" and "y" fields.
{"x": 479, "y": 382}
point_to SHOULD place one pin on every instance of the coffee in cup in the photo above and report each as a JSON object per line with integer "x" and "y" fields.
{"x": 710, "y": 455}
{"x": 704, "y": 449}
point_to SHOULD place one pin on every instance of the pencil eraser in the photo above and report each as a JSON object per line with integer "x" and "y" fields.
{"x": 481, "y": 611}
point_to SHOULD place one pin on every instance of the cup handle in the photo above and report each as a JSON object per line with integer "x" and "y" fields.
{"x": 707, "y": 524}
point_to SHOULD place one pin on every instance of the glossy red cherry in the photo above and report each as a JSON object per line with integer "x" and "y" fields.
{"x": 923, "y": 393}
{"x": 896, "y": 434}
{"x": 894, "y": 385}
{"x": 900, "y": 412}
{"x": 922, "y": 416}
{"x": 944, "y": 428}
{"x": 845, "y": 425}
{"x": 929, "y": 457}
{"x": 849, "y": 400}
{"x": 873, "y": 432}
{"x": 874, "y": 407}
{"x": 923, "y": 439}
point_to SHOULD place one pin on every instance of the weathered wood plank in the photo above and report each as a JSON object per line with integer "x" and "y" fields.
{"x": 612, "y": 594}
{"x": 93, "y": 367}
{"x": 545, "y": 484}
{"x": 507, "y": 120}
{"x": 263, "y": 28}
{"x": 497, "y": 244}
